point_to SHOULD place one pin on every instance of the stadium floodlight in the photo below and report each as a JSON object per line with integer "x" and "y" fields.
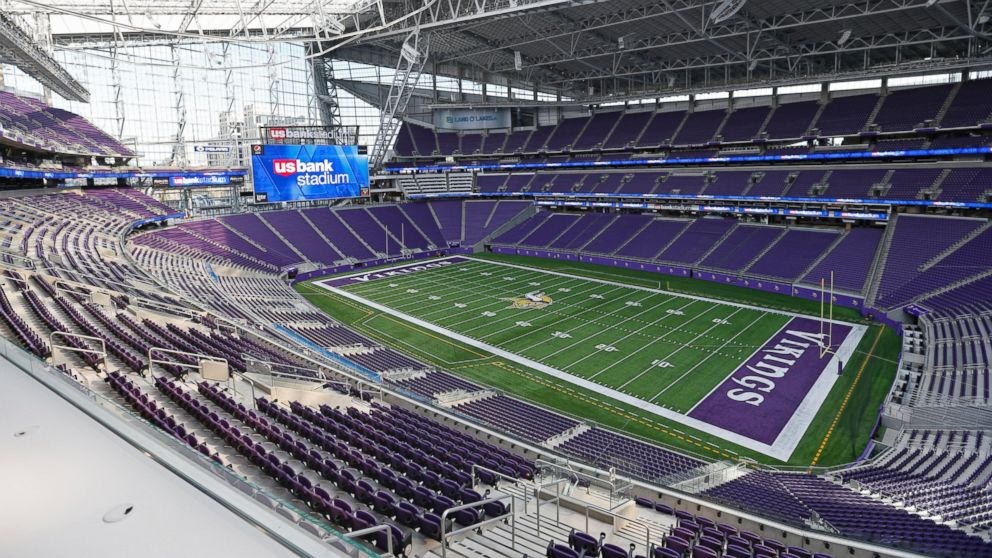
{"x": 844, "y": 36}
{"x": 726, "y": 10}
{"x": 518, "y": 62}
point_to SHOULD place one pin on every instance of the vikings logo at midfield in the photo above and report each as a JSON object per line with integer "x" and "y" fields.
{"x": 531, "y": 300}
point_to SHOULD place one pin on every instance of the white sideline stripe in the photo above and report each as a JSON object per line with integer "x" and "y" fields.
{"x": 783, "y": 447}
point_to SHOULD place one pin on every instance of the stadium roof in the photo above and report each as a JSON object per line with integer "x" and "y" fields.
{"x": 585, "y": 49}
{"x": 591, "y": 48}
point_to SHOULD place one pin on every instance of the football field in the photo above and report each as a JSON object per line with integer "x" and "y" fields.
{"x": 753, "y": 376}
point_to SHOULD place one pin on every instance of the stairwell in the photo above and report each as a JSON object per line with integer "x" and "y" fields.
{"x": 934, "y": 189}
{"x": 597, "y": 235}
{"x": 243, "y": 236}
{"x": 279, "y": 235}
{"x": 760, "y": 254}
{"x": 633, "y": 236}
{"x": 678, "y": 129}
{"x": 564, "y": 232}
{"x": 357, "y": 236}
{"x": 609, "y": 134}
{"x": 870, "y": 121}
{"x": 672, "y": 240}
{"x": 716, "y": 244}
{"x": 417, "y": 228}
{"x": 877, "y": 270}
{"x": 320, "y": 233}
{"x": 816, "y": 118}
{"x": 437, "y": 222}
{"x": 719, "y": 128}
{"x": 764, "y": 123}
{"x": 519, "y": 218}
{"x": 954, "y": 247}
{"x": 833, "y": 245}
{"x": 947, "y": 104}
{"x": 956, "y": 284}
{"x": 389, "y": 233}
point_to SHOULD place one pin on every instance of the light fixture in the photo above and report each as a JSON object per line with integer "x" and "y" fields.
{"x": 844, "y": 36}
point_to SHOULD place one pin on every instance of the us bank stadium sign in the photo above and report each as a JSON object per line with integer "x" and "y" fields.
{"x": 304, "y": 135}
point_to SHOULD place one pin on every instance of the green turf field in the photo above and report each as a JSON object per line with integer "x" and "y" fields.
{"x": 660, "y": 347}
{"x": 663, "y": 348}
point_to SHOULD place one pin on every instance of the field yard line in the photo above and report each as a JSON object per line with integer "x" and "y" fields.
{"x": 708, "y": 356}
{"x": 777, "y": 450}
{"x": 545, "y": 311}
{"x": 676, "y": 351}
{"x": 501, "y": 303}
{"x": 678, "y": 294}
{"x": 531, "y": 332}
{"x": 416, "y": 280}
{"x": 413, "y": 348}
{"x": 445, "y": 304}
{"x": 666, "y": 334}
{"x": 600, "y": 332}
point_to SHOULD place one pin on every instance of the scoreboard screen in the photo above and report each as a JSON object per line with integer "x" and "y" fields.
{"x": 284, "y": 173}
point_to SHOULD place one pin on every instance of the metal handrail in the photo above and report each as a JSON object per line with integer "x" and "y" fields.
{"x": 375, "y": 529}
{"x": 103, "y": 344}
{"x": 514, "y": 480}
{"x": 152, "y": 360}
{"x": 447, "y": 512}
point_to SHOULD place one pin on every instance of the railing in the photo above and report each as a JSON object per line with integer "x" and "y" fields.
{"x": 507, "y": 516}
{"x": 178, "y": 457}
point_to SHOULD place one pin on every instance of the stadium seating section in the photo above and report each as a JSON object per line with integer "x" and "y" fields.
{"x": 940, "y": 107}
{"x": 32, "y": 122}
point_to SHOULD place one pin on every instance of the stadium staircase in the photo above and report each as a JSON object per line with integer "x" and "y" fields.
{"x": 948, "y": 102}
{"x": 240, "y": 234}
{"x": 874, "y": 111}
{"x": 600, "y": 232}
{"x": 719, "y": 128}
{"x": 416, "y": 227}
{"x": 715, "y": 245}
{"x": 764, "y": 123}
{"x": 669, "y": 242}
{"x": 609, "y": 134}
{"x": 320, "y": 233}
{"x": 399, "y": 242}
{"x": 519, "y": 218}
{"x": 816, "y": 117}
{"x": 759, "y": 255}
{"x": 359, "y": 237}
{"x": 437, "y": 222}
{"x": 878, "y": 265}
{"x": 809, "y": 269}
{"x": 678, "y": 129}
{"x": 954, "y": 247}
{"x": 286, "y": 241}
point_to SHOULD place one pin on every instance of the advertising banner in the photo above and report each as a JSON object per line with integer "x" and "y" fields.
{"x": 472, "y": 119}
{"x": 285, "y": 173}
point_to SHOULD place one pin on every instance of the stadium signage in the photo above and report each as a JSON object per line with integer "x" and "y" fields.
{"x": 762, "y": 396}
{"x": 471, "y": 119}
{"x": 774, "y": 363}
{"x": 333, "y": 135}
{"x": 308, "y": 172}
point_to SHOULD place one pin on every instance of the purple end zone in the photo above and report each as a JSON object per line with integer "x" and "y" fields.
{"x": 391, "y": 272}
{"x": 760, "y": 397}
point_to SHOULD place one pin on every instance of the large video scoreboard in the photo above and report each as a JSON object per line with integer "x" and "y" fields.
{"x": 284, "y": 173}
